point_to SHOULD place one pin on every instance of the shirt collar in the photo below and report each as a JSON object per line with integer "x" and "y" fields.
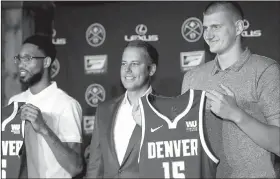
{"x": 48, "y": 91}
{"x": 125, "y": 100}
{"x": 236, "y": 66}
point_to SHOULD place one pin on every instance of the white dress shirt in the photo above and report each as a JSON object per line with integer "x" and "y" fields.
{"x": 124, "y": 126}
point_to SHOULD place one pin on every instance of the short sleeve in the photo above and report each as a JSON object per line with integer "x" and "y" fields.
{"x": 69, "y": 125}
{"x": 21, "y": 97}
{"x": 269, "y": 92}
{"x": 11, "y": 100}
{"x": 186, "y": 82}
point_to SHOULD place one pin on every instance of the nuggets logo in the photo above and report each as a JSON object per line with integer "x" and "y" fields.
{"x": 95, "y": 35}
{"x": 95, "y": 93}
{"x": 192, "y": 29}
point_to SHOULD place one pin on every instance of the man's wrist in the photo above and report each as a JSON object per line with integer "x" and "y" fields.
{"x": 239, "y": 116}
{"x": 44, "y": 130}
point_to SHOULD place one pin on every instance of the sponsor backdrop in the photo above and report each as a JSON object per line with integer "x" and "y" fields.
{"x": 90, "y": 38}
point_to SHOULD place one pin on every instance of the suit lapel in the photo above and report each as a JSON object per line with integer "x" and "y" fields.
{"x": 134, "y": 139}
{"x": 114, "y": 109}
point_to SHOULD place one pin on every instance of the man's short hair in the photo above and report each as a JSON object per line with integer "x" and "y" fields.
{"x": 151, "y": 50}
{"x": 229, "y": 6}
{"x": 43, "y": 43}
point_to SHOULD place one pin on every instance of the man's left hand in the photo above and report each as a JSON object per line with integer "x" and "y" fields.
{"x": 33, "y": 114}
{"x": 224, "y": 105}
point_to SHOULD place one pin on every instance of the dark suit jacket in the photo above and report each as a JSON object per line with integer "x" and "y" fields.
{"x": 103, "y": 161}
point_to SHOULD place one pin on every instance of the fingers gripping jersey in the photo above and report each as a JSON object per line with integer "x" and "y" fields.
{"x": 12, "y": 129}
{"x": 173, "y": 144}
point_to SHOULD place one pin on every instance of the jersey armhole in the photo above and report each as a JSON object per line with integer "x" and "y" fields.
{"x": 11, "y": 117}
{"x": 204, "y": 135}
{"x": 143, "y": 126}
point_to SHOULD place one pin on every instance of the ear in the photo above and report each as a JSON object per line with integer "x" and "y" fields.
{"x": 152, "y": 69}
{"x": 47, "y": 62}
{"x": 239, "y": 24}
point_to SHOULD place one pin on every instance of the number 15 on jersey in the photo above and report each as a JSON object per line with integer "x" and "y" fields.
{"x": 174, "y": 169}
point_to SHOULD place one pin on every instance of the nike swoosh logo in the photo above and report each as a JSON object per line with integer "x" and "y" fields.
{"x": 153, "y": 130}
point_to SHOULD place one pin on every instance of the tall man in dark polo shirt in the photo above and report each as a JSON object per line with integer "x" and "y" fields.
{"x": 243, "y": 95}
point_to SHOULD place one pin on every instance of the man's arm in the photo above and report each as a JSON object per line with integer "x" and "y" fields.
{"x": 23, "y": 173}
{"x": 268, "y": 90}
{"x": 266, "y": 136}
{"x": 66, "y": 145}
{"x": 95, "y": 162}
{"x": 68, "y": 154}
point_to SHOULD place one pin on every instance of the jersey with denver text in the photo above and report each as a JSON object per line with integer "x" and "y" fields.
{"x": 173, "y": 143}
{"x": 12, "y": 128}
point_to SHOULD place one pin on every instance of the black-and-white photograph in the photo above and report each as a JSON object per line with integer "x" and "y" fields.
{"x": 140, "y": 89}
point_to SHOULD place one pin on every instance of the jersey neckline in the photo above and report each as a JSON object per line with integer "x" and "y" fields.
{"x": 173, "y": 123}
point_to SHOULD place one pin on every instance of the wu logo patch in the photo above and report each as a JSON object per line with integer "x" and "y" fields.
{"x": 191, "y": 126}
{"x": 15, "y": 128}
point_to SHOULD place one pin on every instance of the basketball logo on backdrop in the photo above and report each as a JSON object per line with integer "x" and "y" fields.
{"x": 95, "y": 34}
{"x": 141, "y": 29}
{"x": 55, "y": 67}
{"x": 95, "y": 93}
{"x": 192, "y": 29}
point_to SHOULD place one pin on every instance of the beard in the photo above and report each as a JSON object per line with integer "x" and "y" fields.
{"x": 35, "y": 78}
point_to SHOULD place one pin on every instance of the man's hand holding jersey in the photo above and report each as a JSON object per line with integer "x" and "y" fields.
{"x": 33, "y": 114}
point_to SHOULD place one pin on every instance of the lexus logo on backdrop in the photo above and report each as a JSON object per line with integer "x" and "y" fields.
{"x": 251, "y": 33}
{"x": 57, "y": 40}
{"x": 141, "y": 31}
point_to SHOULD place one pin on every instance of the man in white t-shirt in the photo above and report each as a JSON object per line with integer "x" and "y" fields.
{"x": 53, "y": 134}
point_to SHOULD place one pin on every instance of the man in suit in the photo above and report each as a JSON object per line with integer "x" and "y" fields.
{"x": 115, "y": 143}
